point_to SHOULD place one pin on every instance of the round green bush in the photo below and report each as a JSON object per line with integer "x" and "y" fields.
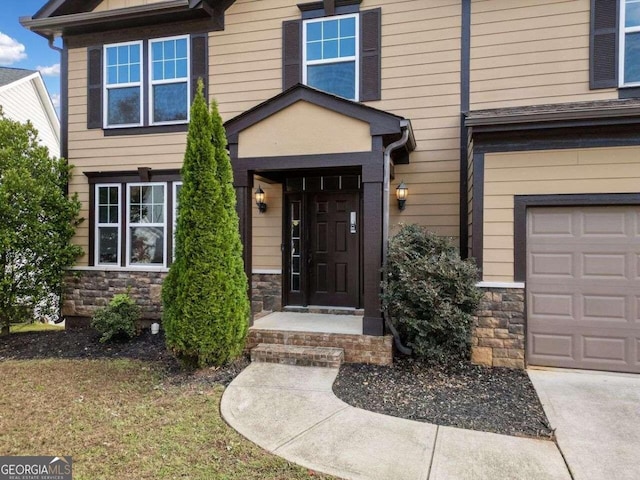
{"x": 117, "y": 321}
{"x": 430, "y": 294}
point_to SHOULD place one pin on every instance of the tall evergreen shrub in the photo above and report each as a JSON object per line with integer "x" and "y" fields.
{"x": 206, "y": 308}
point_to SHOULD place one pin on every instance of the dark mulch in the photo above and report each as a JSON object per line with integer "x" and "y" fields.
{"x": 495, "y": 400}
{"x": 84, "y": 344}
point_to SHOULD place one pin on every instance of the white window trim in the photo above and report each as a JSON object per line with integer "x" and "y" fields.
{"x": 98, "y": 225}
{"x": 152, "y": 82}
{"x": 175, "y": 216}
{"x": 130, "y": 225}
{"x": 622, "y": 32}
{"x": 105, "y": 88}
{"x": 356, "y": 57}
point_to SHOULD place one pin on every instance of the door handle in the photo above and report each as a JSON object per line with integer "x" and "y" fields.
{"x": 353, "y": 225}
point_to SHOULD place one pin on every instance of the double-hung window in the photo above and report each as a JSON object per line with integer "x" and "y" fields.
{"x": 330, "y": 55}
{"x": 169, "y": 68}
{"x": 141, "y": 93}
{"x": 629, "y": 64}
{"x": 147, "y": 220}
{"x": 123, "y": 85}
{"x": 134, "y": 223}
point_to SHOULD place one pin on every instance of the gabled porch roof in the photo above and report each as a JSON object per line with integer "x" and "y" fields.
{"x": 384, "y": 124}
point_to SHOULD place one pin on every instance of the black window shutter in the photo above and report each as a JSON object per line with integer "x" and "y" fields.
{"x": 94, "y": 87}
{"x": 199, "y": 63}
{"x": 370, "y": 58}
{"x": 603, "y": 58}
{"x": 291, "y": 53}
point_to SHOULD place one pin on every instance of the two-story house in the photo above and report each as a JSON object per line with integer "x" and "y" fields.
{"x": 512, "y": 123}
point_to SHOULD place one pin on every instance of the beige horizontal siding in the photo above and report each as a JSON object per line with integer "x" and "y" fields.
{"x": 420, "y": 81}
{"x": 596, "y": 170}
{"x": 530, "y": 53}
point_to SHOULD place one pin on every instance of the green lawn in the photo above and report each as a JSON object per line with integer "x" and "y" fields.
{"x": 123, "y": 419}
{"x": 34, "y": 327}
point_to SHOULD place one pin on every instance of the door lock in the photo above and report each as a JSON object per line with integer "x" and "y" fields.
{"x": 352, "y": 228}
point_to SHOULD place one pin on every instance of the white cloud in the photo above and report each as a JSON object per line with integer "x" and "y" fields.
{"x": 11, "y": 50}
{"x": 52, "y": 71}
{"x": 55, "y": 98}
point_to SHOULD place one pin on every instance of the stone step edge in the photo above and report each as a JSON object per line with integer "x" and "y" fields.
{"x": 298, "y": 355}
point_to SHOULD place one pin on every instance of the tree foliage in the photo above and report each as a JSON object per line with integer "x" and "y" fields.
{"x": 430, "y": 294}
{"x": 206, "y": 307}
{"x": 37, "y": 222}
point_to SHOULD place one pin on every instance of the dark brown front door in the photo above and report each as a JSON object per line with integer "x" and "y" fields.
{"x": 322, "y": 249}
{"x": 333, "y": 249}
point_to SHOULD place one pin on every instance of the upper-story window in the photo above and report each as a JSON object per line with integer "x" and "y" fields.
{"x": 629, "y": 74}
{"x": 330, "y": 55}
{"x": 169, "y": 80}
{"x": 123, "y": 84}
{"x": 162, "y": 85}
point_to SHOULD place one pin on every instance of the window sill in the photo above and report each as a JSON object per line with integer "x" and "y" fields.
{"x": 149, "y": 130}
{"x": 107, "y": 268}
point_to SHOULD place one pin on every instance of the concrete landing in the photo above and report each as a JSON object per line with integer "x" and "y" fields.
{"x": 292, "y": 412}
{"x": 310, "y": 322}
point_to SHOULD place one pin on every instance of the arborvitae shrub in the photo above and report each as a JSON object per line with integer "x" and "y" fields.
{"x": 206, "y": 307}
{"x": 430, "y": 294}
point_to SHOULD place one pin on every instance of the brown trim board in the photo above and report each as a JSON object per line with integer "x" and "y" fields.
{"x": 522, "y": 202}
{"x": 608, "y": 134}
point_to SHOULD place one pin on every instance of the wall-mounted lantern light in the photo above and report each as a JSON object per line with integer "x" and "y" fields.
{"x": 262, "y": 206}
{"x": 402, "y": 192}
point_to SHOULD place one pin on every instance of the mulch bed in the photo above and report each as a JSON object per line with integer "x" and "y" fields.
{"x": 497, "y": 400}
{"x": 84, "y": 344}
{"x": 461, "y": 395}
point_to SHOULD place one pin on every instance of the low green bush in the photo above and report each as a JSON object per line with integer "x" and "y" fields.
{"x": 117, "y": 321}
{"x": 430, "y": 294}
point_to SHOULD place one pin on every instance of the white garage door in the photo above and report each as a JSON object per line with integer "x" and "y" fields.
{"x": 583, "y": 287}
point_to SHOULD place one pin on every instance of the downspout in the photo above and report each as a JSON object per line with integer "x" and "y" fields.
{"x": 404, "y": 125}
{"x": 51, "y": 39}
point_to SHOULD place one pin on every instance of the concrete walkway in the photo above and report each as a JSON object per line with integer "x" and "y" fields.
{"x": 292, "y": 412}
{"x": 597, "y": 420}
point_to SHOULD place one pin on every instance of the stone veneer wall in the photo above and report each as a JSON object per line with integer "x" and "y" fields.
{"x": 498, "y": 334}
{"x": 266, "y": 293}
{"x": 357, "y": 348}
{"x": 87, "y": 290}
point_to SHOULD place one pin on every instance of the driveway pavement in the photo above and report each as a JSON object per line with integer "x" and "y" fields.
{"x": 597, "y": 421}
{"x": 292, "y": 412}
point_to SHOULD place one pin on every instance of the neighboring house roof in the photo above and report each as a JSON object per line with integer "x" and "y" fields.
{"x": 24, "y": 97}
{"x": 10, "y": 75}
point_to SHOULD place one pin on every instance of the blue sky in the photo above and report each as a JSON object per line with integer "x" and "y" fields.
{"x": 21, "y": 48}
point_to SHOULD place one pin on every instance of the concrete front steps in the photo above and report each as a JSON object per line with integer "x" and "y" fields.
{"x": 298, "y": 355}
{"x": 312, "y": 330}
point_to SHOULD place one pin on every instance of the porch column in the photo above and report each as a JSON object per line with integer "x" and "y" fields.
{"x": 372, "y": 258}
{"x": 244, "y": 204}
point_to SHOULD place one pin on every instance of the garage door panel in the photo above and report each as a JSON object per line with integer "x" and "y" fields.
{"x": 557, "y": 224}
{"x": 605, "y": 307}
{"x": 598, "y": 265}
{"x": 551, "y": 345}
{"x": 609, "y": 349}
{"x": 547, "y": 304}
{"x": 604, "y": 223}
{"x": 552, "y": 264}
{"x": 583, "y": 287}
